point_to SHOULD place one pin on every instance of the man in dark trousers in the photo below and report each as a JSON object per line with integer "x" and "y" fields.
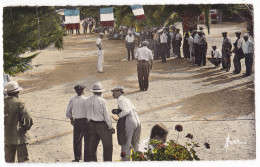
{"x": 248, "y": 49}
{"x": 225, "y": 44}
{"x": 17, "y": 123}
{"x": 178, "y": 39}
{"x": 85, "y": 26}
{"x": 100, "y": 124}
{"x": 144, "y": 56}
{"x": 163, "y": 45}
{"x": 203, "y": 48}
{"x": 238, "y": 53}
{"x": 130, "y": 45}
{"x": 168, "y": 42}
{"x": 78, "y": 117}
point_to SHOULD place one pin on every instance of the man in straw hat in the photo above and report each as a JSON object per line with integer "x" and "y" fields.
{"x": 77, "y": 114}
{"x": 100, "y": 124}
{"x": 144, "y": 57}
{"x": 17, "y": 123}
{"x": 100, "y": 53}
{"x": 130, "y": 44}
{"x": 132, "y": 123}
{"x": 178, "y": 39}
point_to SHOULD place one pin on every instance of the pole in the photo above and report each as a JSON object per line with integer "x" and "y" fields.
{"x": 39, "y": 34}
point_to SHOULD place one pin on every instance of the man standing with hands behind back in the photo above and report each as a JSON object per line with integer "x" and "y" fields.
{"x": 78, "y": 117}
{"x": 144, "y": 57}
{"x": 17, "y": 123}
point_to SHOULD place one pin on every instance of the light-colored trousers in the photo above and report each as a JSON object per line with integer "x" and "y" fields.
{"x": 192, "y": 57}
{"x": 100, "y": 60}
{"x": 133, "y": 132}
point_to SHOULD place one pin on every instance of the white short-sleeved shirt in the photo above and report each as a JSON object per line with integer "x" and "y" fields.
{"x": 76, "y": 108}
{"x": 196, "y": 38}
{"x": 129, "y": 39}
{"x": 163, "y": 38}
{"x": 217, "y": 53}
{"x": 248, "y": 47}
{"x": 97, "y": 110}
{"x": 178, "y": 37}
{"x": 99, "y": 42}
{"x": 144, "y": 53}
{"x": 190, "y": 41}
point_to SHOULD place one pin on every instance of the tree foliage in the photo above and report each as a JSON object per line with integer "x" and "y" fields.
{"x": 22, "y": 33}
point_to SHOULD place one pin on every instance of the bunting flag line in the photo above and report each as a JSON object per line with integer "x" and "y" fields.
{"x": 138, "y": 12}
{"x": 72, "y": 18}
{"x": 107, "y": 17}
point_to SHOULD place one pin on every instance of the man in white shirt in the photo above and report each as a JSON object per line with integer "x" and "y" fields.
{"x": 190, "y": 42}
{"x": 100, "y": 124}
{"x": 216, "y": 56}
{"x": 238, "y": 53}
{"x": 196, "y": 46}
{"x": 178, "y": 39}
{"x": 203, "y": 45}
{"x": 77, "y": 114}
{"x": 144, "y": 56}
{"x": 132, "y": 122}
{"x": 100, "y": 53}
{"x": 130, "y": 45}
{"x": 248, "y": 49}
{"x": 163, "y": 45}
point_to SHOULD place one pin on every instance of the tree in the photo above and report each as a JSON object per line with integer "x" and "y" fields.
{"x": 21, "y": 33}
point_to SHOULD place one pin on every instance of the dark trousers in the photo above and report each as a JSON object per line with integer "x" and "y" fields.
{"x": 224, "y": 60}
{"x": 178, "y": 48}
{"x": 130, "y": 48}
{"x": 237, "y": 63}
{"x": 85, "y": 30}
{"x": 100, "y": 131}
{"x": 196, "y": 53}
{"x": 249, "y": 63}
{"x": 202, "y": 55}
{"x": 155, "y": 50}
{"x": 80, "y": 130}
{"x": 10, "y": 152}
{"x": 143, "y": 74}
{"x": 173, "y": 47}
{"x": 168, "y": 51}
{"x": 163, "y": 51}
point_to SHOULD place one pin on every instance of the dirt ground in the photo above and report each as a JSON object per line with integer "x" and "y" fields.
{"x": 209, "y": 103}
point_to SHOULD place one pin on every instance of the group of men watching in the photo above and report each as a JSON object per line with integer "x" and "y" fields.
{"x": 92, "y": 121}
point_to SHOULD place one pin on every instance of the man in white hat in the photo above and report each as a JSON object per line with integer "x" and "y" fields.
{"x": 132, "y": 123}
{"x": 100, "y": 124}
{"x": 144, "y": 56}
{"x": 77, "y": 114}
{"x": 17, "y": 123}
{"x": 100, "y": 53}
{"x": 130, "y": 44}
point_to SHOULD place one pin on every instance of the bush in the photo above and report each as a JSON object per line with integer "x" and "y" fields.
{"x": 169, "y": 151}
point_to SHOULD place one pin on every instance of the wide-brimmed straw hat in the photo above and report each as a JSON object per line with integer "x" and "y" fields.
{"x": 97, "y": 87}
{"x": 12, "y": 87}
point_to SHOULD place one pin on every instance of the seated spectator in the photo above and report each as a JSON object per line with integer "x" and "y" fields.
{"x": 216, "y": 57}
{"x": 159, "y": 132}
